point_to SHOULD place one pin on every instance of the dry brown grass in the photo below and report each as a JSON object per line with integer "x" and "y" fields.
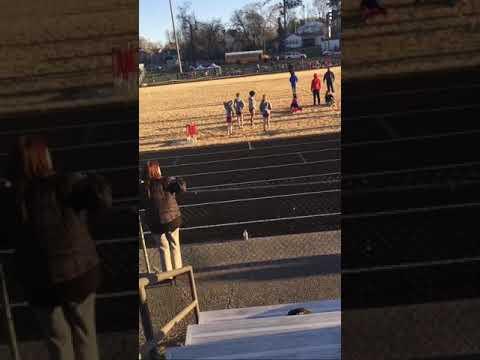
{"x": 165, "y": 110}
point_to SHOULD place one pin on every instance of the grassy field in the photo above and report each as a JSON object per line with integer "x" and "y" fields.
{"x": 165, "y": 110}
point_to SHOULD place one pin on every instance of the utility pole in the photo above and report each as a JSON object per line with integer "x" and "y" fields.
{"x": 176, "y": 39}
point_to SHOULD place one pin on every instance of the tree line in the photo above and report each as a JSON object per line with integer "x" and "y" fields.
{"x": 263, "y": 24}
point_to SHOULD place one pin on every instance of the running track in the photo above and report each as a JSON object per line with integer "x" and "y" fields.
{"x": 410, "y": 198}
{"x": 268, "y": 188}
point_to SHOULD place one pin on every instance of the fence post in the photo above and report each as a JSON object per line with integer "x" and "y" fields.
{"x": 144, "y": 246}
{"x": 8, "y": 317}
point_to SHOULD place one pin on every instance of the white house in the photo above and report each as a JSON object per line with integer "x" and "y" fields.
{"x": 312, "y": 33}
{"x": 331, "y": 45}
{"x": 293, "y": 41}
{"x": 312, "y": 27}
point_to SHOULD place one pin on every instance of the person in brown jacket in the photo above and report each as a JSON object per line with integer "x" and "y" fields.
{"x": 163, "y": 213}
{"x": 56, "y": 257}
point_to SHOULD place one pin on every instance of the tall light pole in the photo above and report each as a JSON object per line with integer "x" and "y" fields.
{"x": 176, "y": 39}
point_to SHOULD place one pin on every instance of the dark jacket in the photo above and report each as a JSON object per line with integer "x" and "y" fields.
{"x": 293, "y": 79}
{"x": 329, "y": 77}
{"x": 56, "y": 256}
{"x": 161, "y": 203}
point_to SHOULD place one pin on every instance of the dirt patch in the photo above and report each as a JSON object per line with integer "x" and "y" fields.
{"x": 165, "y": 110}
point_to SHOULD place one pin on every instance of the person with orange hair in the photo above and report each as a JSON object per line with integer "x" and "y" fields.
{"x": 163, "y": 213}
{"x": 57, "y": 261}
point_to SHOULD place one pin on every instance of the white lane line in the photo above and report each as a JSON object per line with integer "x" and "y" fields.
{"x": 117, "y": 241}
{"x": 112, "y": 169}
{"x": 352, "y": 216}
{"x": 252, "y": 157}
{"x": 389, "y": 129}
{"x": 301, "y": 157}
{"x": 123, "y": 200}
{"x": 262, "y": 221}
{"x": 424, "y": 186}
{"x": 98, "y": 296}
{"x": 98, "y": 243}
{"x": 409, "y": 138}
{"x": 409, "y": 211}
{"x": 144, "y": 160}
{"x": 410, "y": 265}
{"x": 257, "y": 221}
{"x": 416, "y": 91}
{"x": 257, "y": 168}
{"x": 65, "y": 127}
{"x": 264, "y": 187}
{"x": 257, "y": 198}
{"x": 87, "y": 146}
{"x": 402, "y": 171}
{"x": 417, "y": 111}
{"x": 263, "y": 181}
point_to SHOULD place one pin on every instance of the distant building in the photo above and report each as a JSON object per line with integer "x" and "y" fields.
{"x": 312, "y": 33}
{"x": 312, "y": 27}
{"x": 293, "y": 41}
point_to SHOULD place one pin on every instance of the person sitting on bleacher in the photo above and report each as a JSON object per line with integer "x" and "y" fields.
{"x": 56, "y": 256}
{"x": 163, "y": 213}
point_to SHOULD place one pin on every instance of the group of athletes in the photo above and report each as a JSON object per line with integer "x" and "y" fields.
{"x": 236, "y": 107}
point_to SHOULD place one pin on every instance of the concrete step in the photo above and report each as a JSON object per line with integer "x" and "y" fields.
{"x": 349, "y": 6}
{"x": 68, "y": 28}
{"x": 299, "y": 343}
{"x": 258, "y": 272}
{"x": 353, "y": 5}
{"x": 258, "y": 312}
{"x": 407, "y": 20}
{"x": 401, "y": 46}
{"x": 433, "y": 62}
{"x": 325, "y": 323}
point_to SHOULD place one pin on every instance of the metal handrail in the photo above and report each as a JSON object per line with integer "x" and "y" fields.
{"x": 153, "y": 279}
{"x": 5, "y": 306}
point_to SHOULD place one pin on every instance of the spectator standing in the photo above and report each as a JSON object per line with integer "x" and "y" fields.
{"x": 163, "y": 214}
{"x": 315, "y": 87}
{"x": 329, "y": 78}
{"x": 57, "y": 259}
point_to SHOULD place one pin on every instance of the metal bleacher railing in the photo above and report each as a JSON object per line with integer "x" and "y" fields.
{"x": 6, "y": 312}
{"x": 151, "y": 279}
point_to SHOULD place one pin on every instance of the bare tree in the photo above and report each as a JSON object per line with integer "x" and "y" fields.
{"x": 148, "y": 45}
{"x": 256, "y": 24}
{"x": 322, "y": 7}
{"x": 188, "y": 27}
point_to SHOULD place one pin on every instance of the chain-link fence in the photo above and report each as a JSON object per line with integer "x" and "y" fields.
{"x": 149, "y": 78}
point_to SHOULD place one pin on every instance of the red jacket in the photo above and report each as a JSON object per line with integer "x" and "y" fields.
{"x": 316, "y": 83}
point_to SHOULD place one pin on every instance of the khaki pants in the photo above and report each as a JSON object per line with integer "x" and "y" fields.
{"x": 70, "y": 330}
{"x": 169, "y": 248}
